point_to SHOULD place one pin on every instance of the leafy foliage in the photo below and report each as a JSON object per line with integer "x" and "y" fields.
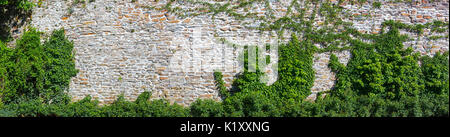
{"x": 221, "y": 84}
{"x": 13, "y": 13}
{"x": 376, "y": 4}
{"x": 21, "y": 4}
{"x": 296, "y": 77}
{"x": 382, "y": 79}
{"x": 207, "y": 108}
{"x": 35, "y": 70}
{"x": 143, "y": 108}
{"x": 90, "y": 108}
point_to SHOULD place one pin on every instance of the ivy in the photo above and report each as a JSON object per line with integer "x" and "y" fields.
{"x": 381, "y": 79}
{"x": 21, "y": 4}
{"x": 376, "y": 4}
{"x": 207, "y": 108}
{"x": 388, "y": 80}
{"x": 11, "y": 12}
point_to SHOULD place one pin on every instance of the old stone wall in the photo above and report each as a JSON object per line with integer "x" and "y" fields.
{"x": 124, "y": 47}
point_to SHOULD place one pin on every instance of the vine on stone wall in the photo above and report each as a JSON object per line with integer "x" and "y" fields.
{"x": 381, "y": 79}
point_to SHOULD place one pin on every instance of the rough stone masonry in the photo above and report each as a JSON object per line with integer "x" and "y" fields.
{"x": 121, "y": 47}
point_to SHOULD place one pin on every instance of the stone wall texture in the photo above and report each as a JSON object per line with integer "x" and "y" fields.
{"x": 122, "y": 47}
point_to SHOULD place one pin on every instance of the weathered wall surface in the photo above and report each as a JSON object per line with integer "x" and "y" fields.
{"x": 122, "y": 47}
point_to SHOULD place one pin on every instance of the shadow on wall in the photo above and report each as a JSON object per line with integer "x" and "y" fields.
{"x": 11, "y": 19}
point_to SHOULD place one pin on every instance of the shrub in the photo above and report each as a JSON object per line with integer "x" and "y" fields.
{"x": 383, "y": 79}
{"x": 38, "y": 70}
{"x": 221, "y": 85}
{"x": 59, "y": 65}
{"x": 4, "y": 63}
{"x": 21, "y": 4}
{"x": 295, "y": 79}
{"x": 144, "y": 108}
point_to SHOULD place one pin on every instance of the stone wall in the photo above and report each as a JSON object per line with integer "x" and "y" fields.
{"x": 124, "y": 47}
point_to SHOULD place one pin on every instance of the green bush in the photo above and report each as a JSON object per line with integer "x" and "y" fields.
{"x": 21, "y": 4}
{"x": 144, "y": 108}
{"x": 295, "y": 79}
{"x": 382, "y": 79}
{"x": 207, "y": 108}
{"x": 25, "y": 67}
{"x": 59, "y": 65}
{"x": 4, "y": 62}
{"x": 221, "y": 84}
{"x": 37, "y": 70}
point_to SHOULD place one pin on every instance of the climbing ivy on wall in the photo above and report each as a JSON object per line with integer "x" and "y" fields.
{"x": 383, "y": 79}
{"x": 21, "y": 4}
{"x": 296, "y": 77}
